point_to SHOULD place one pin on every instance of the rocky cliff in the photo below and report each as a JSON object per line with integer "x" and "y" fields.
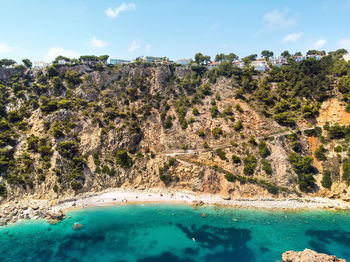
{"x": 72, "y": 129}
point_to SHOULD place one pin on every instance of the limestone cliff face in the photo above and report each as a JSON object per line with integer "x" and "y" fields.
{"x": 139, "y": 126}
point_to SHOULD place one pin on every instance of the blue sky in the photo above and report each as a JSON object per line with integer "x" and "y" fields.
{"x": 43, "y": 29}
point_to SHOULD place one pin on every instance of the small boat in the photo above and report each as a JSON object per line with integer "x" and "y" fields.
{"x": 77, "y": 226}
{"x": 193, "y": 239}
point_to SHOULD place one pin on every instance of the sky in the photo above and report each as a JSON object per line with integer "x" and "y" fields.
{"x": 43, "y": 29}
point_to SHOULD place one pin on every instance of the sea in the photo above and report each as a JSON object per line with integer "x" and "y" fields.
{"x": 176, "y": 233}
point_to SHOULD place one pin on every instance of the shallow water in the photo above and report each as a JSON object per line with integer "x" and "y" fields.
{"x": 161, "y": 232}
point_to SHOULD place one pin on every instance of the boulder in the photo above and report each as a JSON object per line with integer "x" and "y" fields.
{"x": 197, "y": 203}
{"x": 53, "y": 217}
{"x": 226, "y": 197}
{"x": 309, "y": 255}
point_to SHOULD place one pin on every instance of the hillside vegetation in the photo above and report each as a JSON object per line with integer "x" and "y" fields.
{"x": 75, "y": 128}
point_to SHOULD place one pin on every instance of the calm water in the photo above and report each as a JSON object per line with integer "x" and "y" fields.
{"x": 159, "y": 232}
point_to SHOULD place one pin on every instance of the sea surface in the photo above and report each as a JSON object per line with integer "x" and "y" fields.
{"x": 163, "y": 232}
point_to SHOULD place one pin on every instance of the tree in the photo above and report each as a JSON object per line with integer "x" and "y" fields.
{"x": 7, "y": 62}
{"x": 298, "y": 54}
{"x": 228, "y": 58}
{"x": 220, "y": 57}
{"x": 88, "y": 58}
{"x": 316, "y": 52}
{"x": 338, "y": 52}
{"x": 249, "y": 58}
{"x": 232, "y": 57}
{"x": 304, "y": 169}
{"x": 266, "y": 54}
{"x": 286, "y": 54}
{"x": 27, "y": 63}
{"x": 60, "y": 57}
{"x": 201, "y": 59}
{"x": 327, "y": 179}
{"x": 103, "y": 58}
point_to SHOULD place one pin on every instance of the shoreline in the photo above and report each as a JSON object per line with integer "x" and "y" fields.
{"x": 26, "y": 208}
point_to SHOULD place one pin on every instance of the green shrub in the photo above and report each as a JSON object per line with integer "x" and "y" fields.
{"x": 168, "y": 122}
{"x": 55, "y": 188}
{"x": 230, "y": 177}
{"x": 266, "y": 166}
{"x": 327, "y": 179}
{"x": 217, "y": 131}
{"x": 252, "y": 141}
{"x": 205, "y": 144}
{"x": 346, "y": 170}
{"x": 3, "y": 191}
{"x": 238, "y": 126}
{"x": 320, "y": 153}
{"x": 236, "y": 159}
{"x": 67, "y": 149}
{"x": 45, "y": 150}
{"x": 123, "y": 159}
{"x": 195, "y": 111}
{"x": 32, "y": 143}
{"x": 336, "y": 132}
{"x": 239, "y": 108}
{"x": 303, "y": 168}
{"x": 338, "y": 149}
{"x": 76, "y": 185}
{"x": 57, "y": 130}
{"x": 228, "y": 111}
{"x": 172, "y": 161}
{"x": 250, "y": 164}
{"x": 221, "y": 154}
{"x": 214, "y": 111}
{"x": 263, "y": 149}
{"x": 201, "y": 133}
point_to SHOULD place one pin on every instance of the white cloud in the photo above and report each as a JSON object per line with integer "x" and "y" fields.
{"x": 114, "y": 12}
{"x": 278, "y": 20}
{"x": 293, "y": 37}
{"x": 94, "y": 42}
{"x": 319, "y": 43}
{"x": 148, "y": 48}
{"x": 344, "y": 43}
{"x": 134, "y": 45}
{"x": 54, "y": 52}
{"x": 5, "y": 48}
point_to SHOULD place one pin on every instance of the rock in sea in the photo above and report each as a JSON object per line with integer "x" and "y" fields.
{"x": 309, "y": 255}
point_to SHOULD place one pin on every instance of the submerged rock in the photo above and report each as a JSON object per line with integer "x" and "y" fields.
{"x": 309, "y": 255}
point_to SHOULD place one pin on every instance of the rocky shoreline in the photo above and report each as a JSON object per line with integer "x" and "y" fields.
{"x": 53, "y": 210}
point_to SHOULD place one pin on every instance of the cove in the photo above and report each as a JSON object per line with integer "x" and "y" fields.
{"x": 176, "y": 233}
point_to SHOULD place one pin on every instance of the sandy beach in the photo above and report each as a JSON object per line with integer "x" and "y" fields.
{"x": 132, "y": 196}
{"x": 29, "y": 208}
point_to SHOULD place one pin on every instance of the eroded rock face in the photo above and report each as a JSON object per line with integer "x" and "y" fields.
{"x": 309, "y": 256}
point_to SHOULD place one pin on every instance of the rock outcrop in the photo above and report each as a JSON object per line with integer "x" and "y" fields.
{"x": 309, "y": 256}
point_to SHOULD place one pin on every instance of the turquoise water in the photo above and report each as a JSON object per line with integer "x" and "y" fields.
{"x": 159, "y": 232}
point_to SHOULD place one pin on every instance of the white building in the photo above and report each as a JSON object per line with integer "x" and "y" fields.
{"x": 346, "y": 57}
{"x": 259, "y": 65}
{"x": 40, "y": 64}
{"x": 61, "y": 62}
{"x": 154, "y": 59}
{"x": 212, "y": 65}
{"x": 239, "y": 63}
{"x": 118, "y": 61}
{"x": 304, "y": 57}
{"x": 279, "y": 61}
{"x": 184, "y": 62}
